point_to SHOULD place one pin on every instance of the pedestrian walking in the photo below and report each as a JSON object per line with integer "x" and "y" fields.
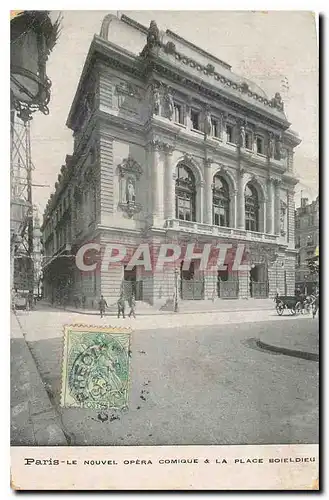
{"x": 121, "y": 306}
{"x": 102, "y": 305}
{"x": 30, "y": 300}
{"x": 315, "y": 306}
{"x": 83, "y": 301}
{"x": 132, "y": 305}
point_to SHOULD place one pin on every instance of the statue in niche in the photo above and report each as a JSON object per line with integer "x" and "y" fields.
{"x": 242, "y": 136}
{"x": 278, "y": 149}
{"x": 271, "y": 146}
{"x": 169, "y": 104}
{"x": 207, "y": 122}
{"x": 130, "y": 190}
{"x": 156, "y": 101}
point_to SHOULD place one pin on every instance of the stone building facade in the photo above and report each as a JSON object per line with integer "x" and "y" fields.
{"x": 171, "y": 146}
{"x": 307, "y": 240}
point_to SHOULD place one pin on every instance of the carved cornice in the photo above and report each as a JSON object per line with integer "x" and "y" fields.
{"x": 209, "y": 70}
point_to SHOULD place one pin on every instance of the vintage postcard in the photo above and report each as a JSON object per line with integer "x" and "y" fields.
{"x": 164, "y": 250}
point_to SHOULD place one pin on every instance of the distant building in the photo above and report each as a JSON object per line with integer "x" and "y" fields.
{"x": 170, "y": 145}
{"x": 307, "y": 240}
{"x": 25, "y": 266}
{"x": 37, "y": 256}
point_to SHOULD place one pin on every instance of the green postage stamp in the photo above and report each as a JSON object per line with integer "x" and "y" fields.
{"x": 95, "y": 371}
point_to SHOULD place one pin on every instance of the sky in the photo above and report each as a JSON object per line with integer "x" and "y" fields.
{"x": 268, "y": 48}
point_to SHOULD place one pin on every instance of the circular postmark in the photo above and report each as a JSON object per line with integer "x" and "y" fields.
{"x": 98, "y": 376}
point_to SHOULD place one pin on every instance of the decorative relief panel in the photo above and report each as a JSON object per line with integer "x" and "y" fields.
{"x": 127, "y": 97}
{"x": 129, "y": 174}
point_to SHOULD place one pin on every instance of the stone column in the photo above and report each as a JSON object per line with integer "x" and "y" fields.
{"x": 169, "y": 183}
{"x": 157, "y": 180}
{"x": 291, "y": 218}
{"x": 207, "y": 219}
{"x": 277, "y": 184}
{"x": 241, "y": 201}
{"x": 269, "y": 207}
{"x": 233, "y": 209}
{"x": 199, "y": 202}
{"x": 262, "y": 214}
{"x": 221, "y": 124}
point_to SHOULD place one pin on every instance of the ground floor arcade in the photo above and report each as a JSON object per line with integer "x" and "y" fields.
{"x": 271, "y": 270}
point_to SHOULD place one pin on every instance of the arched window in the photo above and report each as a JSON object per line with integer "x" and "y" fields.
{"x": 221, "y": 202}
{"x": 185, "y": 193}
{"x": 251, "y": 208}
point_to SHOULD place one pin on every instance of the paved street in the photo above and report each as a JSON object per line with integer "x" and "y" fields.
{"x": 209, "y": 385}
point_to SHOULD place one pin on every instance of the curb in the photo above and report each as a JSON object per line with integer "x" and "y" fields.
{"x": 166, "y": 313}
{"x": 40, "y": 411}
{"x": 310, "y": 356}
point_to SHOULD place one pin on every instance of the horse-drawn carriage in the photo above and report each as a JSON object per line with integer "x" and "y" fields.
{"x": 291, "y": 303}
{"x": 296, "y": 304}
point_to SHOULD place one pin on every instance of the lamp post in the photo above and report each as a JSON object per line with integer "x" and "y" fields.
{"x": 32, "y": 37}
{"x": 176, "y": 290}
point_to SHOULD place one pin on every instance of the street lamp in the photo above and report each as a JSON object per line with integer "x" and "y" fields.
{"x": 32, "y": 37}
{"x": 176, "y": 290}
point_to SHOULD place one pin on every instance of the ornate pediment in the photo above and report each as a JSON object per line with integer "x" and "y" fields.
{"x": 130, "y": 166}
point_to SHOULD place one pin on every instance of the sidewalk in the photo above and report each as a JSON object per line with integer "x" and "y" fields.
{"x": 185, "y": 307}
{"x": 300, "y": 344}
{"x": 34, "y": 421}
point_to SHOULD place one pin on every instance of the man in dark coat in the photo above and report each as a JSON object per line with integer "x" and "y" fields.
{"x": 132, "y": 305}
{"x": 102, "y": 305}
{"x": 121, "y": 306}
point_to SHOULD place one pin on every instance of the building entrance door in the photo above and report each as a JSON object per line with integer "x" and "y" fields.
{"x": 132, "y": 286}
{"x": 258, "y": 282}
{"x": 192, "y": 288}
{"x": 227, "y": 288}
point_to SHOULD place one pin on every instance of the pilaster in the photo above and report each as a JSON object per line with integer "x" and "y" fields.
{"x": 208, "y": 191}
{"x": 169, "y": 183}
{"x": 270, "y": 207}
{"x": 240, "y": 200}
{"x": 277, "y": 184}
